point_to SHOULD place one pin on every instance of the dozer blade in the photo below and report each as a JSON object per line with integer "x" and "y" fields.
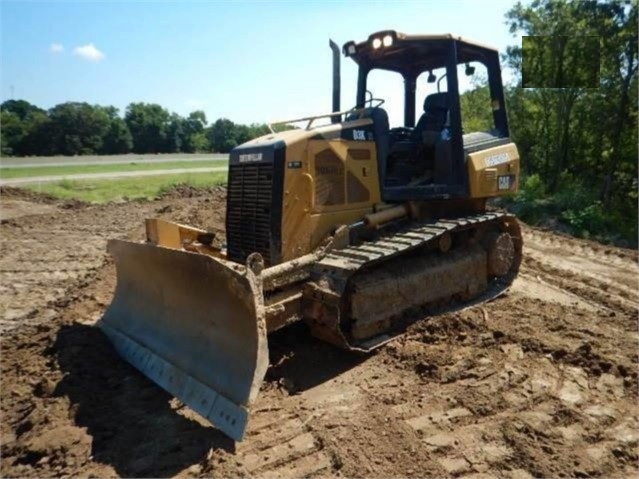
{"x": 194, "y": 325}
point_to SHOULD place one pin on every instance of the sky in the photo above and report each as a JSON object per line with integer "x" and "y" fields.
{"x": 250, "y": 62}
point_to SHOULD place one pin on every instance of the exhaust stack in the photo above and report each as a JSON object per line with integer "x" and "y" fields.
{"x": 336, "y": 81}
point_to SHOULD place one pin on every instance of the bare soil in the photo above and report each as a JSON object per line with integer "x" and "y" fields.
{"x": 540, "y": 382}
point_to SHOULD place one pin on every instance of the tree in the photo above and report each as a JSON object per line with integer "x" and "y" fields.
{"x": 117, "y": 140}
{"x": 20, "y": 120}
{"x": 193, "y": 129}
{"x": 149, "y": 127}
{"x": 175, "y": 134}
{"x": 581, "y": 142}
{"x": 222, "y": 135}
{"x": 21, "y": 108}
{"x": 77, "y": 128}
{"x": 475, "y": 107}
{"x": 12, "y": 131}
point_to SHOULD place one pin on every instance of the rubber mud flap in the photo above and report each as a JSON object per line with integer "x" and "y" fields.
{"x": 194, "y": 325}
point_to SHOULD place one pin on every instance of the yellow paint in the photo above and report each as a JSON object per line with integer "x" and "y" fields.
{"x": 483, "y": 177}
{"x": 305, "y": 224}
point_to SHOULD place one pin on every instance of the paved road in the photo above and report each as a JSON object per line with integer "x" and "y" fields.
{"x": 31, "y": 180}
{"x": 36, "y": 162}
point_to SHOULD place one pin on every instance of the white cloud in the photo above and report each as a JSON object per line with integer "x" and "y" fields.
{"x": 89, "y": 52}
{"x": 56, "y": 48}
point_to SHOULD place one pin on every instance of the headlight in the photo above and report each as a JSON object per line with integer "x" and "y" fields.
{"x": 351, "y": 49}
{"x": 377, "y": 43}
{"x": 388, "y": 41}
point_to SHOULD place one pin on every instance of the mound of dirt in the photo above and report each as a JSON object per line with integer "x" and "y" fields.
{"x": 9, "y": 192}
{"x": 187, "y": 191}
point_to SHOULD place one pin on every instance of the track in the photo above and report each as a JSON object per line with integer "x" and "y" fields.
{"x": 333, "y": 272}
{"x": 541, "y": 382}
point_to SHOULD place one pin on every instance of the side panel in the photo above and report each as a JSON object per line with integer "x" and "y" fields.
{"x": 494, "y": 171}
{"x": 327, "y": 182}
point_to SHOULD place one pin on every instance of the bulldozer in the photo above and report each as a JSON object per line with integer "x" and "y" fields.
{"x": 345, "y": 223}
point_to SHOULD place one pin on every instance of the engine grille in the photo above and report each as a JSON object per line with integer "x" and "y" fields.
{"x": 248, "y": 216}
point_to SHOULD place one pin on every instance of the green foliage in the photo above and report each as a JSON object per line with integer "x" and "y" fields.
{"x": 149, "y": 127}
{"x": 533, "y": 189}
{"x": 12, "y": 132}
{"x": 81, "y": 129}
{"x": 223, "y": 136}
{"x": 198, "y": 142}
{"x": 578, "y": 147}
{"x": 67, "y": 184}
{"x": 587, "y": 221}
{"x": 574, "y": 209}
{"x": 194, "y": 138}
{"x": 21, "y": 124}
{"x": 560, "y": 61}
{"x": 475, "y": 109}
{"x": 118, "y": 139}
{"x": 77, "y": 128}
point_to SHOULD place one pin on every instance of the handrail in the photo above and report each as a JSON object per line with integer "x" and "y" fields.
{"x": 311, "y": 119}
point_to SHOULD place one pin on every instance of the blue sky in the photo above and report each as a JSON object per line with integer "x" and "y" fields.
{"x": 247, "y": 61}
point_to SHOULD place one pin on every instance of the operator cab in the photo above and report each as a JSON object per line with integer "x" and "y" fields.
{"x": 425, "y": 159}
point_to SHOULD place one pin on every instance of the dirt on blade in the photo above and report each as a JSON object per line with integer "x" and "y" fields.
{"x": 541, "y": 382}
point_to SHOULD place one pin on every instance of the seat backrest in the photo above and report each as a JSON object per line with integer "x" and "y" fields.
{"x": 435, "y": 115}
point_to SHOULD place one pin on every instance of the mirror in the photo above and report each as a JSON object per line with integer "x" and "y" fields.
{"x": 431, "y": 77}
{"x": 469, "y": 70}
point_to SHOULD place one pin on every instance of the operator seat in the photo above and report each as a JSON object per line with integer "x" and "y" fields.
{"x": 433, "y": 152}
{"x": 433, "y": 120}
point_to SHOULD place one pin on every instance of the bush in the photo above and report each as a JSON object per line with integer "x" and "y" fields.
{"x": 532, "y": 188}
{"x": 587, "y": 222}
{"x": 575, "y": 208}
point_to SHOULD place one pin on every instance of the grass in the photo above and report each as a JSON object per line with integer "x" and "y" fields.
{"x": 7, "y": 173}
{"x": 148, "y": 187}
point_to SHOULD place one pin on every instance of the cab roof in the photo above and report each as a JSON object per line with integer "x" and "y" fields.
{"x": 414, "y": 54}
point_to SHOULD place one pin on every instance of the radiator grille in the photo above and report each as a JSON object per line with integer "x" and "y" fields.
{"x": 248, "y": 218}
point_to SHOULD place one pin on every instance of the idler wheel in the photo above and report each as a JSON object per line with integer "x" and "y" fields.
{"x": 501, "y": 253}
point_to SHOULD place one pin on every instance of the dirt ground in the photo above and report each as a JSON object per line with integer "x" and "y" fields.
{"x": 540, "y": 382}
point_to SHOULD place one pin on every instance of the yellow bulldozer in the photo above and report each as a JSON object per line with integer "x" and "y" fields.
{"x": 346, "y": 224}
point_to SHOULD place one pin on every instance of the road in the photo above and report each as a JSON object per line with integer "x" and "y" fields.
{"x": 31, "y": 180}
{"x": 40, "y": 161}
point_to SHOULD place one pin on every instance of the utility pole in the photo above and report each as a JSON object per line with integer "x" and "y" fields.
{"x": 13, "y": 89}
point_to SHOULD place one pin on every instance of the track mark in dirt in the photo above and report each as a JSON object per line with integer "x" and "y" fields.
{"x": 281, "y": 444}
{"x": 533, "y": 286}
{"x": 42, "y": 253}
{"x": 527, "y": 385}
{"x": 529, "y": 399}
{"x": 18, "y": 208}
{"x": 607, "y": 277}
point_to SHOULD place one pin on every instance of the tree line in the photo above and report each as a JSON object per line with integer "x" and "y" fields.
{"x": 78, "y": 128}
{"x": 578, "y": 146}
